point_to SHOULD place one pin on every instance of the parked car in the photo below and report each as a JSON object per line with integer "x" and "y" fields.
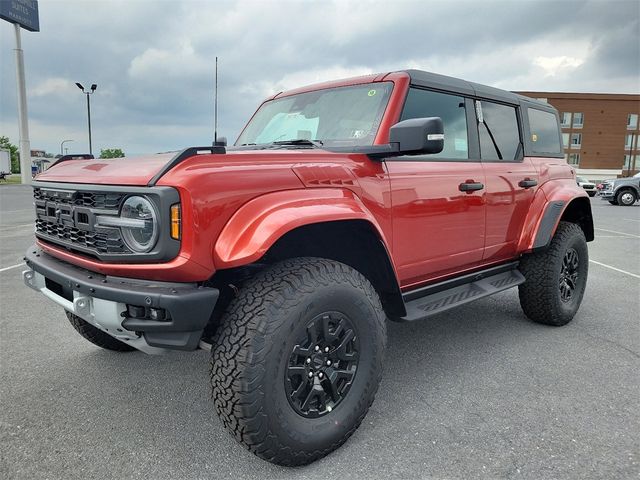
{"x": 393, "y": 196}
{"x": 589, "y": 187}
{"x": 621, "y": 191}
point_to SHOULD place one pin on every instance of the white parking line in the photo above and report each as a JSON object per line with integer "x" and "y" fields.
{"x": 619, "y": 233}
{"x": 614, "y": 268}
{"x": 11, "y": 267}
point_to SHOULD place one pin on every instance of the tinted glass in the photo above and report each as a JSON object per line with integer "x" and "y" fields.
{"x": 544, "y": 134}
{"x": 499, "y": 134}
{"x": 336, "y": 116}
{"x": 423, "y": 103}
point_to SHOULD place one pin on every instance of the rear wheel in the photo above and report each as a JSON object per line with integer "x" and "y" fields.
{"x": 626, "y": 197}
{"x": 97, "y": 336}
{"x": 297, "y": 361}
{"x": 556, "y": 278}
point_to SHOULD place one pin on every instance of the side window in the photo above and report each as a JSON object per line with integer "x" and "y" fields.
{"x": 499, "y": 133}
{"x": 544, "y": 135}
{"x": 424, "y": 103}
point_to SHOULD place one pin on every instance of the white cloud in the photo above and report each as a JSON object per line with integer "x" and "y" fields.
{"x": 552, "y": 66}
{"x": 53, "y": 86}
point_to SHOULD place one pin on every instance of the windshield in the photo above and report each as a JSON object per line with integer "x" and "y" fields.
{"x": 342, "y": 116}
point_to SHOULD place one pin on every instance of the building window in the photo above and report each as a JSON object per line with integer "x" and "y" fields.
{"x": 578, "y": 120}
{"x": 629, "y": 162}
{"x": 565, "y": 140}
{"x": 565, "y": 119}
{"x": 542, "y": 99}
{"x": 628, "y": 142}
{"x": 574, "y": 159}
{"x": 576, "y": 140}
{"x": 632, "y": 121}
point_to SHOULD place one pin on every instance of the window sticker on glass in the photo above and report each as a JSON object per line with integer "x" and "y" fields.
{"x": 460, "y": 144}
{"x": 534, "y": 137}
{"x": 371, "y": 93}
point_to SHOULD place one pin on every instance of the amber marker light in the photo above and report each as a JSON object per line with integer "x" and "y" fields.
{"x": 176, "y": 220}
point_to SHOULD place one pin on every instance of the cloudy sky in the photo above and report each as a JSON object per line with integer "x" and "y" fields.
{"x": 153, "y": 61}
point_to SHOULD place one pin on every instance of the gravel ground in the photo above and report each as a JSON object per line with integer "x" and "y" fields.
{"x": 478, "y": 392}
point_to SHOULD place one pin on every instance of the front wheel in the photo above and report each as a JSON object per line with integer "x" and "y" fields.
{"x": 297, "y": 360}
{"x": 626, "y": 198}
{"x": 556, "y": 278}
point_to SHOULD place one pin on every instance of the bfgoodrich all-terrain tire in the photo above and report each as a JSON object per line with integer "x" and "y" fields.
{"x": 96, "y": 336}
{"x": 297, "y": 360}
{"x": 556, "y": 277}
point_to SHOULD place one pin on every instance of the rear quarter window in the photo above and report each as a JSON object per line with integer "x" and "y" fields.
{"x": 544, "y": 134}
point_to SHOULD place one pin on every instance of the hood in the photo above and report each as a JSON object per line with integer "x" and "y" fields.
{"x": 139, "y": 171}
{"x": 111, "y": 171}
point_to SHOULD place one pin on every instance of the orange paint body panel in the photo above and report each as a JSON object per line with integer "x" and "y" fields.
{"x": 236, "y": 205}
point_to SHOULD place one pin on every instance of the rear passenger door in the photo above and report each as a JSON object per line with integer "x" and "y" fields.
{"x": 511, "y": 179}
{"x": 437, "y": 199}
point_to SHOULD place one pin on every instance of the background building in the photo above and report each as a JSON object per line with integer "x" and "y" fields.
{"x": 599, "y": 130}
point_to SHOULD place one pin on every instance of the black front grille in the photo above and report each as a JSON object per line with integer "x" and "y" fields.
{"x": 66, "y": 217}
{"x": 78, "y": 218}
{"x": 108, "y": 241}
{"x": 101, "y": 200}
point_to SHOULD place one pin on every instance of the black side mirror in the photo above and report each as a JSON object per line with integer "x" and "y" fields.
{"x": 418, "y": 135}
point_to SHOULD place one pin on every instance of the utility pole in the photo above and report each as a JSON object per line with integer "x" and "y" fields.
{"x": 23, "y": 124}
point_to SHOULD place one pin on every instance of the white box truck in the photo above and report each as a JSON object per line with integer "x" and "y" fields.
{"x": 5, "y": 161}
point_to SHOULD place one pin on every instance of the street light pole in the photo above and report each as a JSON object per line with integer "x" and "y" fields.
{"x": 62, "y": 144}
{"x": 87, "y": 93}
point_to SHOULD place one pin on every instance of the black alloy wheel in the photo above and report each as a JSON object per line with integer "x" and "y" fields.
{"x": 569, "y": 274}
{"x": 322, "y": 365}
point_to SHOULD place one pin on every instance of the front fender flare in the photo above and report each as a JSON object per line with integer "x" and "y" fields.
{"x": 259, "y": 223}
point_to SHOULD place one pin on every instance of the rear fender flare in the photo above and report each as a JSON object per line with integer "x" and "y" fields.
{"x": 548, "y": 208}
{"x": 259, "y": 223}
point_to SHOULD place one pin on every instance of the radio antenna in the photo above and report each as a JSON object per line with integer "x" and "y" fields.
{"x": 215, "y": 109}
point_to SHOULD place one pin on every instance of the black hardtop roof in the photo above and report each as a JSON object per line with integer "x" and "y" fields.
{"x": 451, "y": 84}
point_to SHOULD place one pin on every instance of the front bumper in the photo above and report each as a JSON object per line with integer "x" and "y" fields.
{"x": 606, "y": 194}
{"x": 102, "y": 301}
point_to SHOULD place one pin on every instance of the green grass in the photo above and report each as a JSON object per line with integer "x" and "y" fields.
{"x": 11, "y": 179}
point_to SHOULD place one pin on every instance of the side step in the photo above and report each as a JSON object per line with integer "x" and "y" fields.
{"x": 437, "y": 298}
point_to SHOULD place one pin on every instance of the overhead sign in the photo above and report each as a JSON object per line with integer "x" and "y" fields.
{"x": 22, "y": 12}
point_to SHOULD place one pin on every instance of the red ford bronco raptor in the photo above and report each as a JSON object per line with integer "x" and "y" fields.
{"x": 341, "y": 205}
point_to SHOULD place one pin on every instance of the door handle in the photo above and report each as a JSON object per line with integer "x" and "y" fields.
{"x": 527, "y": 183}
{"x": 470, "y": 186}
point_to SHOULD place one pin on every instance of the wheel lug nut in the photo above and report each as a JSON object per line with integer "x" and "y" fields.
{"x": 309, "y": 360}
{"x": 326, "y": 349}
{"x": 317, "y": 349}
{"x": 320, "y": 374}
{"x": 310, "y": 374}
{"x": 329, "y": 408}
{"x": 328, "y": 363}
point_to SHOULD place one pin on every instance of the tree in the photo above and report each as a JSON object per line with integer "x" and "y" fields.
{"x": 111, "y": 153}
{"x": 6, "y": 144}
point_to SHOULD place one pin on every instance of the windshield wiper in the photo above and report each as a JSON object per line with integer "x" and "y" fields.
{"x": 300, "y": 141}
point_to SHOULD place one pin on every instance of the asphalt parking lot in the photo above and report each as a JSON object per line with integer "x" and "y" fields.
{"x": 478, "y": 392}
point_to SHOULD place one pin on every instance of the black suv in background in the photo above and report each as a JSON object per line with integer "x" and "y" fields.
{"x": 621, "y": 191}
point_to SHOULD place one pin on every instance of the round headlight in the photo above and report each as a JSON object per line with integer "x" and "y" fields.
{"x": 140, "y": 231}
